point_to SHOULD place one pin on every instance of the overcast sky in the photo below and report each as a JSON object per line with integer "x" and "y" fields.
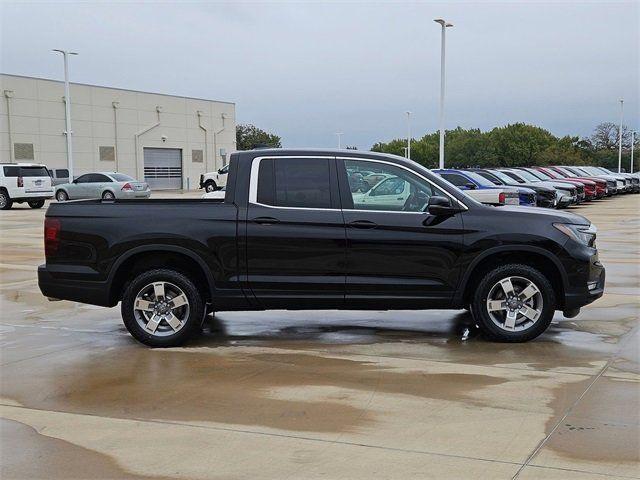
{"x": 307, "y": 70}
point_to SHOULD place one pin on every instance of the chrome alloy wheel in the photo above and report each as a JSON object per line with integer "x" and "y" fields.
{"x": 161, "y": 309}
{"x": 514, "y": 304}
{"x": 3, "y": 200}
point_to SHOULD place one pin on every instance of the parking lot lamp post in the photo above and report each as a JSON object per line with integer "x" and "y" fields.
{"x": 408, "y": 135}
{"x": 620, "y": 136}
{"x": 444, "y": 25}
{"x": 339, "y": 134}
{"x": 633, "y": 138}
{"x": 67, "y": 106}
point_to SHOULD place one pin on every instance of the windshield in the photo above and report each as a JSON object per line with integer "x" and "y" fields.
{"x": 539, "y": 174}
{"x": 514, "y": 175}
{"x": 503, "y": 176}
{"x": 480, "y": 180}
{"x": 582, "y": 170}
{"x": 121, "y": 177}
{"x": 566, "y": 172}
{"x": 528, "y": 176}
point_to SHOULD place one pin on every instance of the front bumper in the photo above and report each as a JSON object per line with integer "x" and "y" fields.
{"x": 586, "y": 277}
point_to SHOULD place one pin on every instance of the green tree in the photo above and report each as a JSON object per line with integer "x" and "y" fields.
{"x": 249, "y": 136}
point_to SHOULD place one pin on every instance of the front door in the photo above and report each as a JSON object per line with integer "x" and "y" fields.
{"x": 398, "y": 255}
{"x": 295, "y": 233}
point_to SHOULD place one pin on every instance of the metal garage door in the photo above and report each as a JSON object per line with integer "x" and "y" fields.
{"x": 163, "y": 168}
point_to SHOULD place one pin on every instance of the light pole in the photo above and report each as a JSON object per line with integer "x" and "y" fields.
{"x": 620, "y": 136}
{"x": 408, "y": 134}
{"x": 633, "y": 137}
{"x": 444, "y": 25}
{"x": 339, "y": 134}
{"x": 67, "y": 106}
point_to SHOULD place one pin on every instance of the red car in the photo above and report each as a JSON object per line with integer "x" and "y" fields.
{"x": 601, "y": 183}
{"x": 589, "y": 185}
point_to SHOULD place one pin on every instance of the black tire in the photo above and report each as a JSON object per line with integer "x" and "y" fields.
{"x": 36, "y": 203}
{"x": 191, "y": 324}
{"x": 481, "y": 314}
{"x": 61, "y": 196}
{"x": 108, "y": 195}
{"x": 5, "y": 200}
{"x": 210, "y": 186}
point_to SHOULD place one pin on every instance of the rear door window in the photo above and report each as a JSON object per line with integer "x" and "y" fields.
{"x": 295, "y": 182}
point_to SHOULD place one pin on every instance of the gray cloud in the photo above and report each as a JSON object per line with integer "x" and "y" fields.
{"x": 307, "y": 70}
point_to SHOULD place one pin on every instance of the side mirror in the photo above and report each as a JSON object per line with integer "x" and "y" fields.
{"x": 470, "y": 186}
{"x": 441, "y": 206}
{"x": 75, "y": 181}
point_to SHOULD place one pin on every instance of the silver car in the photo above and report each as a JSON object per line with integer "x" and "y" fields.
{"x": 105, "y": 185}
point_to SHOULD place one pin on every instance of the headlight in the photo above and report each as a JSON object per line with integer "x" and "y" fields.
{"x": 585, "y": 234}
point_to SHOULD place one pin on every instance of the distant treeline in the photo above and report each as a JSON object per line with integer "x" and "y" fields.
{"x": 517, "y": 144}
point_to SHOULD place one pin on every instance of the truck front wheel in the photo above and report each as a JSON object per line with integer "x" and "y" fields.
{"x": 210, "y": 186}
{"x": 513, "y": 303}
{"x": 162, "y": 308}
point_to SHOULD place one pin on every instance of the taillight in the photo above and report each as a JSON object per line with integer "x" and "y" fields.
{"x": 20, "y": 182}
{"x": 502, "y": 198}
{"x": 127, "y": 186}
{"x": 51, "y": 236}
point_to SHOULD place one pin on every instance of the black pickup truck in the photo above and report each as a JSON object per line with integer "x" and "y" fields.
{"x": 300, "y": 229}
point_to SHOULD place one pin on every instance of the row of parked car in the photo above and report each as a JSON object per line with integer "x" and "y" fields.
{"x": 34, "y": 183}
{"x": 549, "y": 187}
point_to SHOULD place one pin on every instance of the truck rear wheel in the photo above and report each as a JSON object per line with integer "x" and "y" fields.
{"x": 513, "y": 303}
{"x": 162, "y": 308}
{"x": 36, "y": 203}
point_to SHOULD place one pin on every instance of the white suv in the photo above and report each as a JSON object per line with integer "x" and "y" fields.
{"x": 24, "y": 182}
{"x": 213, "y": 181}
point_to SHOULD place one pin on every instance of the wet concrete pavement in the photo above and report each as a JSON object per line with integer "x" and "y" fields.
{"x": 320, "y": 394}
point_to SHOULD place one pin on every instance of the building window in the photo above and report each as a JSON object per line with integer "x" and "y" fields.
{"x": 107, "y": 154}
{"x": 196, "y": 156}
{"x": 23, "y": 151}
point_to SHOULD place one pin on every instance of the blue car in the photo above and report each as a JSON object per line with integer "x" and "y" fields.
{"x": 466, "y": 180}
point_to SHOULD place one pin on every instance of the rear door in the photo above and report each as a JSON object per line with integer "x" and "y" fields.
{"x": 398, "y": 255}
{"x": 295, "y": 233}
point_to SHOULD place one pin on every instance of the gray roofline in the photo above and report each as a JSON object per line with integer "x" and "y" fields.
{"x": 117, "y": 88}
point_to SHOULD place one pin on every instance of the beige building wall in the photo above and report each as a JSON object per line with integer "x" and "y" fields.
{"x": 32, "y": 111}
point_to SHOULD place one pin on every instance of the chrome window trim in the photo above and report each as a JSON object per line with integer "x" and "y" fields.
{"x": 255, "y": 169}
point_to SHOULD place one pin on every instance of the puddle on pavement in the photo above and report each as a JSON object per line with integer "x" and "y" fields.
{"x": 21, "y": 444}
{"x": 233, "y": 389}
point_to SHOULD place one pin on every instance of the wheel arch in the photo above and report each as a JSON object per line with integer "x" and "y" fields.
{"x": 60, "y": 189}
{"x": 537, "y": 258}
{"x": 161, "y": 256}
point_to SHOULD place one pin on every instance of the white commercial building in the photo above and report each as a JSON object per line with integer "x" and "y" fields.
{"x": 165, "y": 139}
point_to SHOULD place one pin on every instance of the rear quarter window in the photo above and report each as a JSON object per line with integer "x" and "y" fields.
{"x": 11, "y": 171}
